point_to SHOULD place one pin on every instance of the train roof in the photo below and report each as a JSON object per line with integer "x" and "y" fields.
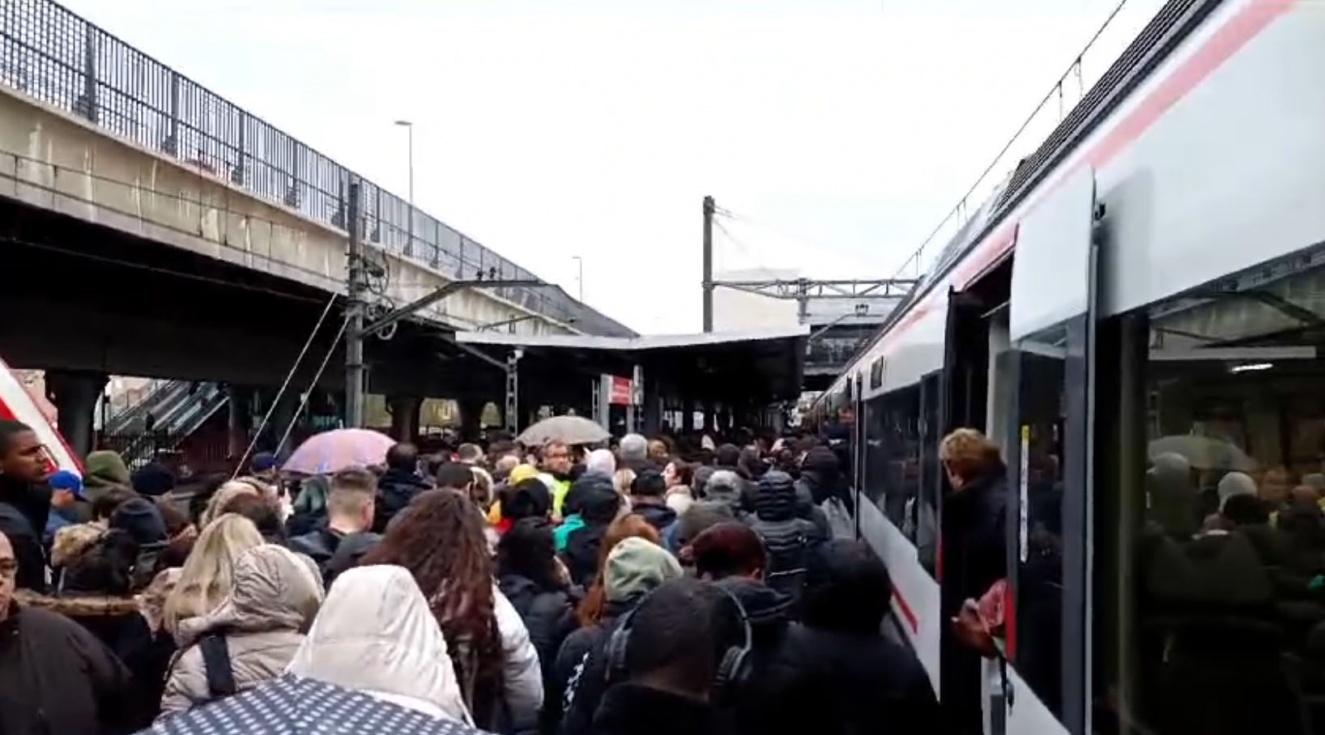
{"x": 1145, "y": 52}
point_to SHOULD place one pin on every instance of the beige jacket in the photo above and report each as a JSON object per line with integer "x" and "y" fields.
{"x": 376, "y": 635}
{"x": 273, "y": 599}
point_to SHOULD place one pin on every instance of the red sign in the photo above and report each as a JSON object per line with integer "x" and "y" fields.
{"x": 621, "y": 392}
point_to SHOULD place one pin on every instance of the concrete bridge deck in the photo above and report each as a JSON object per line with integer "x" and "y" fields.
{"x": 92, "y": 128}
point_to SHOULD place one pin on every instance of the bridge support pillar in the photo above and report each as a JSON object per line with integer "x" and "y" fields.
{"x": 241, "y": 419}
{"x": 471, "y": 417}
{"x": 75, "y": 394}
{"x": 404, "y": 417}
{"x": 688, "y": 415}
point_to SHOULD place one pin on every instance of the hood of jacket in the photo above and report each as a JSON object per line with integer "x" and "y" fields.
{"x": 71, "y": 541}
{"x": 776, "y": 498}
{"x": 765, "y": 607}
{"x": 80, "y": 606}
{"x": 594, "y": 498}
{"x": 658, "y": 514}
{"x": 272, "y": 589}
{"x": 376, "y": 634}
{"x": 101, "y": 470}
{"x": 635, "y": 567}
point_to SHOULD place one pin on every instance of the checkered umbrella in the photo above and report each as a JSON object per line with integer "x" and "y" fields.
{"x": 296, "y": 706}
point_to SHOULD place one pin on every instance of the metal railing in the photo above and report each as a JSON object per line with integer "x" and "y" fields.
{"x": 53, "y": 55}
{"x": 1091, "y": 66}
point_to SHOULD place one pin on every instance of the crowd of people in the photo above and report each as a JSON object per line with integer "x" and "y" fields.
{"x": 658, "y": 586}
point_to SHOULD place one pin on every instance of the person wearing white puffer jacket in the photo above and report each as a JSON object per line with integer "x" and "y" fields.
{"x": 376, "y": 635}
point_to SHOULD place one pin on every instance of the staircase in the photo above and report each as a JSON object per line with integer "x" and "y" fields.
{"x": 178, "y": 408}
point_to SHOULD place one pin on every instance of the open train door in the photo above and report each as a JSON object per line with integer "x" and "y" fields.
{"x": 962, "y": 388}
{"x": 1049, "y": 452}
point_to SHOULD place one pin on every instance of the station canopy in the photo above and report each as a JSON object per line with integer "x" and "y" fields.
{"x": 765, "y": 364}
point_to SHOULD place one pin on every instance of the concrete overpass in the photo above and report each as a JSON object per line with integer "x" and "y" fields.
{"x": 94, "y": 129}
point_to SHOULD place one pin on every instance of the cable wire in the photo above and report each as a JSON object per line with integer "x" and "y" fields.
{"x": 243, "y": 460}
{"x": 758, "y": 266}
{"x": 303, "y": 398}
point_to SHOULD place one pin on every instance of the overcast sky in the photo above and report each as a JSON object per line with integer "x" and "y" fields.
{"x": 843, "y": 131}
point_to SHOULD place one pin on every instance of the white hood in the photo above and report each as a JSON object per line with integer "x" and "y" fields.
{"x": 375, "y": 634}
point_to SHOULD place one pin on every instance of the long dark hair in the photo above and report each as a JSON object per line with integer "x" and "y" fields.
{"x": 439, "y": 538}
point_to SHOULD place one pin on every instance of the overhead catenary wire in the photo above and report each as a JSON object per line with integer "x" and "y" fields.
{"x": 303, "y": 397}
{"x": 747, "y": 251}
{"x": 289, "y": 376}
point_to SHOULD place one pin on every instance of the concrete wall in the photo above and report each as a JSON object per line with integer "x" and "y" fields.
{"x": 58, "y": 162}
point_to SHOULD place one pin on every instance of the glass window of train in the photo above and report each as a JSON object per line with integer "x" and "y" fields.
{"x": 1227, "y": 551}
{"x": 1037, "y": 447}
{"x": 901, "y": 447}
{"x": 876, "y": 480}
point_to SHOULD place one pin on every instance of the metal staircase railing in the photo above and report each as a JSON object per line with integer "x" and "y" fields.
{"x": 178, "y": 410}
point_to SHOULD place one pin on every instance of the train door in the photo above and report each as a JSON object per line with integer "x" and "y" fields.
{"x": 961, "y": 393}
{"x": 1050, "y": 416}
{"x": 859, "y": 444}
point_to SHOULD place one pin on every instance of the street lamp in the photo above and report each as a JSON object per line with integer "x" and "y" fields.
{"x": 580, "y": 278}
{"x": 409, "y": 130}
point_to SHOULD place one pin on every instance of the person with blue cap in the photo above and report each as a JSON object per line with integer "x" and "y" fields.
{"x": 69, "y": 504}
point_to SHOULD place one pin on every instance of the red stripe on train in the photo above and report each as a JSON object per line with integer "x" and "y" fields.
{"x": 908, "y": 614}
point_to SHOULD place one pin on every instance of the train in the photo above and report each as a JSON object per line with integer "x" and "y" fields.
{"x": 16, "y": 404}
{"x": 1156, "y": 268}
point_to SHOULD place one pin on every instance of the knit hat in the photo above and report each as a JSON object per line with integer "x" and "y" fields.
{"x": 636, "y": 567}
{"x": 141, "y": 520}
{"x": 263, "y": 462}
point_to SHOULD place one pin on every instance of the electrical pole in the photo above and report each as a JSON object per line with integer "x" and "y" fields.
{"x": 354, "y": 314}
{"x": 709, "y": 208}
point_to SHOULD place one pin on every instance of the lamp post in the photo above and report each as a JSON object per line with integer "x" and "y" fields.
{"x": 579, "y": 262}
{"x": 409, "y": 131}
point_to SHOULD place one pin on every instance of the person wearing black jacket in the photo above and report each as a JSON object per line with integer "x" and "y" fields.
{"x": 597, "y": 503}
{"x": 350, "y": 515}
{"x": 838, "y": 661}
{"x": 55, "y": 676}
{"x": 647, "y": 498}
{"x": 399, "y": 484}
{"x": 821, "y": 478}
{"x": 538, "y": 586}
{"x": 667, "y": 671}
{"x": 25, "y": 500}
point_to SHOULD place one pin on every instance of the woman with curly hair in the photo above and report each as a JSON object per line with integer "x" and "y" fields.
{"x": 440, "y": 540}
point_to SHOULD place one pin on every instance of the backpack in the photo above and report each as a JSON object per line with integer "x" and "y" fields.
{"x": 788, "y": 544}
{"x": 144, "y": 566}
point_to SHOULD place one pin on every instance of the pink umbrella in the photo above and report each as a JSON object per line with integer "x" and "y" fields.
{"x": 339, "y": 449}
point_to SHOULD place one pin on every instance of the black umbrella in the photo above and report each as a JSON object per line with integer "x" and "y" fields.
{"x": 292, "y": 705}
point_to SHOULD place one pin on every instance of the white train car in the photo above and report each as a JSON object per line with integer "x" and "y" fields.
{"x": 1157, "y": 267}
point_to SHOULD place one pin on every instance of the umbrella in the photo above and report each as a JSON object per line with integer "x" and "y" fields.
{"x": 1203, "y": 452}
{"x": 291, "y": 705}
{"x": 333, "y": 451}
{"x": 567, "y": 429}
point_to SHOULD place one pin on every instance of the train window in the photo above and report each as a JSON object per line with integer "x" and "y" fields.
{"x": 1041, "y": 378}
{"x": 900, "y": 451}
{"x": 876, "y": 451}
{"x": 1223, "y": 621}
